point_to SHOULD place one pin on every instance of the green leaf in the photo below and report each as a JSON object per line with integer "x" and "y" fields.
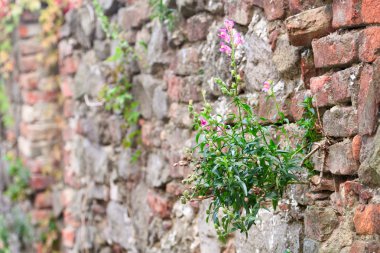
{"x": 242, "y": 185}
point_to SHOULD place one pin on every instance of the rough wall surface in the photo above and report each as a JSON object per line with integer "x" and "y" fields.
{"x": 328, "y": 49}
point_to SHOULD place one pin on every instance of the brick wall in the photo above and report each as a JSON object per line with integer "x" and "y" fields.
{"x": 327, "y": 49}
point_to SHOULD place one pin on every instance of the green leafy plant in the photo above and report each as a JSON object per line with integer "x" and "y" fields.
{"x": 17, "y": 222}
{"x": 117, "y": 96}
{"x": 18, "y": 188}
{"x": 238, "y": 162}
{"x": 163, "y": 13}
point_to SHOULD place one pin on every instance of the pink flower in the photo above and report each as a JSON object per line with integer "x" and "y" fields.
{"x": 238, "y": 40}
{"x": 224, "y": 35}
{"x": 203, "y": 122}
{"x": 229, "y": 24}
{"x": 266, "y": 86}
{"x": 225, "y": 49}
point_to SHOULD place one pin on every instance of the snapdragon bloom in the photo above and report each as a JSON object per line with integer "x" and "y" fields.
{"x": 229, "y": 24}
{"x": 203, "y": 122}
{"x": 225, "y": 49}
{"x": 224, "y": 35}
{"x": 266, "y": 86}
{"x": 230, "y": 37}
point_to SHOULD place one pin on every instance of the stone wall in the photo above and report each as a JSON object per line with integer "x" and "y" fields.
{"x": 324, "y": 48}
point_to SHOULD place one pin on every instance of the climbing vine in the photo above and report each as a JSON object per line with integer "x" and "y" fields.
{"x": 240, "y": 162}
{"x": 162, "y": 12}
{"x": 117, "y": 96}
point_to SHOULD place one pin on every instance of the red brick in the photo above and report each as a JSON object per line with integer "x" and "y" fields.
{"x": 66, "y": 85}
{"x": 160, "y": 205}
{"x": 346, "y": 13}
{"x": 335, "y": 50}
{"x": 333, "y": 89}
{"x": 28, "y": 47}
{"x": 197, "y": 27}
{"x": 351, "y": 13}
{"x": 33, "y": 97}
{"x": 68, "y": 66}
{"x": 371, "y": 11}
{"x": 368, "y": 99}
{"x": 240, "y": 11}
{"x": 369, "y": 48}
{"x": 365, "y": 247}
{"x": 40, "y": 182}
{"x": 367, "y": 219}
{"x": 28, "y": 64}
{"x": 349, "y": 192}
{"x": 70, "y": 219}
{"x": 322, "y": 184}
{"x": 43, "y": 200}
{"x": 68, "y": 237}
{"x": 29, "y": 81}
{"x": 356, "y": 146}
{"x": 68, "y": 108}
{"x": 308, "y": 25}
{"x": 26, "y": 31}
{"x": 39, "y": 132}
{"x": 40, "y": 216}
{"x": 274, "y": 9}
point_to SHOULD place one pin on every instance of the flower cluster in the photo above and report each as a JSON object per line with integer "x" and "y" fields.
{"x": 231, "y": 38}
{"x": 4, "y": 8}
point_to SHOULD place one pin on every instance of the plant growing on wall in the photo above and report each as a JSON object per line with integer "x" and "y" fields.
{"x": 239, "y": 164}
{"x": 163, "y": 13}
{"x": 117, "y": 97}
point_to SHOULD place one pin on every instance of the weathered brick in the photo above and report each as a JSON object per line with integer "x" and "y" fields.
{"x": 368, "y": 99}
{"x": 29, "y": 47}
{"x": 369, "y": 48}
{"x": 33, "y": 97}
{"x": 134, "y": 15}
{"x": 274, "y": 9}
{"x": 356, "y": 146}
{"x": 43, "y": 200}
{"x": 29, "y": 30}
{"x": 68, "y": 66}
{"x": 40, "y": 131}
{"x": 308, "y": 25}
{"x": 68, "y": 237}
{"x": 365, "y": 247}
{"x": 322, "y": 184}
{"x": 160, "y": 205}
{"x": 29, "y": 81}
{"x": 335, "y": 50}
{"x": 340, "y": 87}
{"x": 340, "y": 160}
{"x": 320, "y": 222}
{"x": 28, "y": 63}
{"x": 40, "y": 215}
{"x": 296, "y": 6}
{"x": 367, "y": 219}
{"x": 187, "y": 61}
{"x": 240, "y": 11}
{"x": 183, "y": 89}
{"x": 351, "y": 13}
{"x": 197, "y": 26}
{"x": 340, "y": 122}
{"x": 66, "y": 85}
{"x": 40, "y": 182}
{"x": 349, "y": 193}
{"x": 175, "y": 188}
